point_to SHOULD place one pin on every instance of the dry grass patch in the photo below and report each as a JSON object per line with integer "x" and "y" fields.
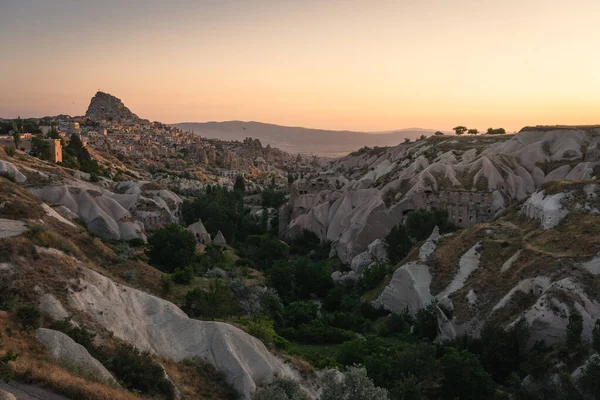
{"x": 18, "y": 203}
{"x": 34, "y": 366}
{"x": 578, "y": 236}
{"x": 198, "y": 379}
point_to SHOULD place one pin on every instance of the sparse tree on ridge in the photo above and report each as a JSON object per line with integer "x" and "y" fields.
{"x": 16, "y": 135}
{"x": 472, "y": 131}
{"x": 406, "y": 140}
{"x": 439, "y": 133}
{"x": 459, "y": 129}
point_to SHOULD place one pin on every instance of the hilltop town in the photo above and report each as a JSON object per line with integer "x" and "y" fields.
{"x": 126, "y": 146}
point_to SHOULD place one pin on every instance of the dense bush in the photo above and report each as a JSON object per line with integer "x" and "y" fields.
{"x": 215, "y": 303}
{"x": 223, "y": 210}
{"x": 279, "y": 389}
{"x": 264, "y": 250}
{"x": 595, "y": 336}
{"x": 353, "y": 385}
{"x": 426, "y": 322}
{"x": 183, "y": 276}
{"x": 28, "y": 317}
{"x": 574, "y": 330}
{"x": 136, "y": 370}
{"x": 171, "y": 247}
{"x": 464, "y": 377}
{"x": 272, "y": 198}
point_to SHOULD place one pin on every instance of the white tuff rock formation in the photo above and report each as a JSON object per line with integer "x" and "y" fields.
{"x": 65, "y": 350}
{"x": 160, "y": 327}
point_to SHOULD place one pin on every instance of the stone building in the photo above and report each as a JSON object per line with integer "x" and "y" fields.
{"x": 465, "y": 208}
{"x": 200, "y": 232}
{"x": 55, "y": 150}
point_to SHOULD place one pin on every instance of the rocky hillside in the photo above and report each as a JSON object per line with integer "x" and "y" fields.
{"x": 519, "y": 266}
{"x": 56, "y": 230}
{"x": 105, "y": 107}
{"x": 359, "y": 198}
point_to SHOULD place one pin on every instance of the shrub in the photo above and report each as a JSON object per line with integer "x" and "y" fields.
{"x": 279, "y": 389}
{"x": 353, "y": 385}
{"x": 28, "y": 317}
{"x": 464, "y": 377}
{"x": 426, "y": 323}
{"x": 78, "y": 334}
{"x": 216, "y": 273}
{"x": 166, "y": 283}
{"x": 216, "y": 303}
{"x": 574, "y": 330}
{"x": 7, "y": 175}
{"x": 263, "y": 329}
{"x": 7, "y": 295}
{"x": 184, "y": 275}
{"x": 137, "y": 371}
{"x": 10, "y": 151}
{"x": 595, "y": 336}
{"x": 136, "y": 242}
{"x": 589, "y": 382}
{"x": 398, "y": 243}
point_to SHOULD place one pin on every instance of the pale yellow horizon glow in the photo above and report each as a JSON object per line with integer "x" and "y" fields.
{"x": 357, "y": 65}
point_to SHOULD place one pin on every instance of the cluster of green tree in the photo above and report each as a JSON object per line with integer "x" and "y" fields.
{"x": 418, "y": 226}
{"x": 20, "y": 125}
{"x": 76, "y": 156}
{"x": 491, "y": 131}
{"x": 498, "y": 131}
{"x": 223, "y": 210}
{"x": 462, "y": 129}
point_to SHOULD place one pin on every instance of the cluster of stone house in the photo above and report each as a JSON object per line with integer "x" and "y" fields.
{"x": 465, "y": 208}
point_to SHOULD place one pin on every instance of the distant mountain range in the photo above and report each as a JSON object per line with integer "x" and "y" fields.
{"x": 302, "y": 140}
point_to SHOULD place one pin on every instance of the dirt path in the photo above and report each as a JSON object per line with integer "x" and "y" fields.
{"x": 29, "y": 392}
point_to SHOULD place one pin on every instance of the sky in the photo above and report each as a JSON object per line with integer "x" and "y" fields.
{"x": 371, "y": 65}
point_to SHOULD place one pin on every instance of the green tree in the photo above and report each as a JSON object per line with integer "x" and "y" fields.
{"x": 499, "y": 131}
{"x": 240, "y": 184}
{"x": 406, "y": 140}
{"x": 426, "y": 323}
{"x": 171, "y": 247}
{"x": 40, "y": 147}
{"x": 217, "y": 302}
{"x": 76, "y": 149}
{"x": 588, "y": 380}
{"x": 596, "y": 336}
{"x": 398, "y": 244}
{"x": 459, "y": 129}
{"x": 281, "y": 277}
{"x": 472, "y": 131}
{"x": 574, "y": 330}
{"x": 465, "y": 378}
{"x": 420, "y": 223}
{"x": 16, "y": 134}
{"x": 439, "y": 133}
{"x": 272, "y": 198}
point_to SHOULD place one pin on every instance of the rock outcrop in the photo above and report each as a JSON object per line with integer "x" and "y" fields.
{"x": 160, "y": 327}
{"x": 105, "y": 107}
{"x": 11, "y": 227}
{"x": 64, "y": 349}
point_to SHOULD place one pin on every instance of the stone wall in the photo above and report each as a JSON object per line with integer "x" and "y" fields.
{"x": 464, "y": 208}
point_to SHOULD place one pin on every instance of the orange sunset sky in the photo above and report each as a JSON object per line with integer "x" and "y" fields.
{"x": 359, "y": 65}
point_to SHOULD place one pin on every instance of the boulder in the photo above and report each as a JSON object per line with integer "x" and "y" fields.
{"x": 11, "y": 227}
{"x": 64, "y": 349}
{"x": 12, "y": 171}
{"x": 4, "y": 395}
